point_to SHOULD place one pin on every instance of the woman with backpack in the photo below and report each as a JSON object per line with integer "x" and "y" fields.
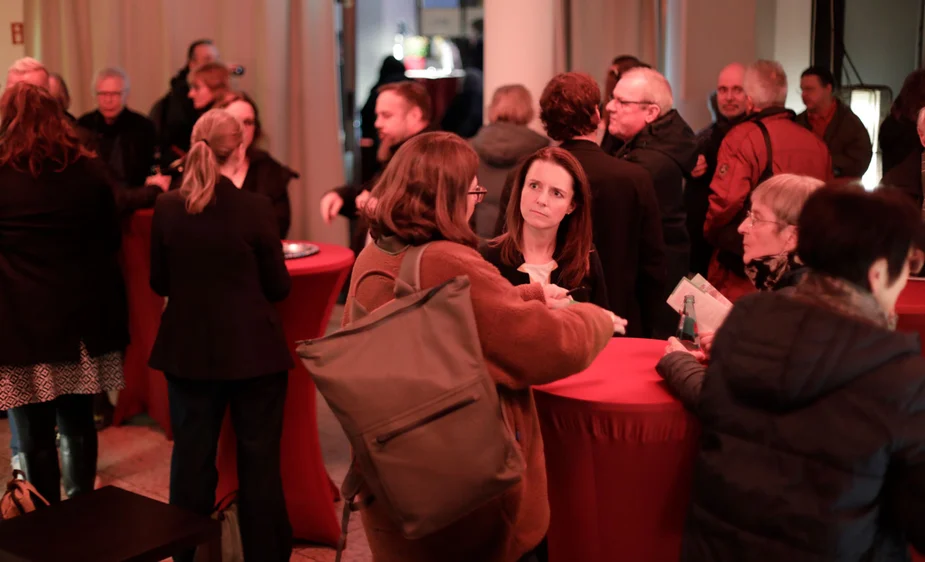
{"x": 427, "y": 194}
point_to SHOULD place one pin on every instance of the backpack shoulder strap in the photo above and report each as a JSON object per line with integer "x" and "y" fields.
{"x": 409, "y": 274}
{"x": 769, "y": 168}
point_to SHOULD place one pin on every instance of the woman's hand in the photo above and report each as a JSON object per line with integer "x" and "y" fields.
{"x": 674, "y": 344}
{"x": 619, "y": 324}
{"x": 556, "y": 297}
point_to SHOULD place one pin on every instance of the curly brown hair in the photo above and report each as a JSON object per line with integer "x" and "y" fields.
{"x": 34, "y": 133}
{"x": 570, "y": 106}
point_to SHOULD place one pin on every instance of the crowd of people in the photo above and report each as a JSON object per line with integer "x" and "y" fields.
{"x": 809, "y": 402}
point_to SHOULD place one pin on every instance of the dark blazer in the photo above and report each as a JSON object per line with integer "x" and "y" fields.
{"x": 848, "y": 141}
{"x": 60, "y": 281}
{"x": 267, "y": 176}
{"x": 627, "y": 229}
{"x": 221, "y": 270}
{"x": 594, "y": 289}
{"x": 907, "y": 177}
{"x": 127, "y": 147}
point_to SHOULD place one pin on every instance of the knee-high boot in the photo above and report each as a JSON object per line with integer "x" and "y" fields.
{"x": 41, "y": 468}
{"x": 78, "y": 463}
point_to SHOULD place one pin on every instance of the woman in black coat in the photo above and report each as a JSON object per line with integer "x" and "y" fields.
{"x": 63, "y": 320}
{"x": 813, "y": 409}
{"x": 548, "y": 235}
{"x": 258, "y": 172}
{"x": 216, "y": 256}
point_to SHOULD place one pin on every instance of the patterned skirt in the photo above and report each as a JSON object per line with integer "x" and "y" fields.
{"x": 31, "y": 384}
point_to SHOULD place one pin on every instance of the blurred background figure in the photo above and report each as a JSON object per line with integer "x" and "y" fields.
{"x": 174, "y": 114}
{"x": 907, "y": 175}
{"x": 63, "y": 302}
{"x": 898, "y": 136}
{"x": 392, "y": 70}
{"x": 259, "y": 172}
{"x": 125, "y": 141}
{"x": 620, "y": 65}
{"x": 729, "y": 106}
{"x": 834, "y": 122}
{"x": 57, "y": 87}
{"x": 27, "y": 70}
{"x": 501, "y": 145}
{"x": 549, "y": 239}
{"x": 464, "y": 115}
{"x": 210, "y": 86}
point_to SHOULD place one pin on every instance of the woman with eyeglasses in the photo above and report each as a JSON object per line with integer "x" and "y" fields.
{"x": 770, "y": 238}
{"x": 258, "y": 172}
{"x": 812, "y": 412}
{"x": 548, "y": 234}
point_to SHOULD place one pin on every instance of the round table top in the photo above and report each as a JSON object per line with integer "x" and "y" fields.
{"x": 331, "y": 257}
{"x": 623, "y": 374}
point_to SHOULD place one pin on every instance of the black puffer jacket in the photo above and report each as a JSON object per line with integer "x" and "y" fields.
{"x": 813, "y": 444}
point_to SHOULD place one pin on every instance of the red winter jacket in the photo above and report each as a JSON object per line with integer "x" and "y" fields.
{"x": 742, "y": 160}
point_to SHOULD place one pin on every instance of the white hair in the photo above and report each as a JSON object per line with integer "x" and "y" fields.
{"x": 112, "y": 72}
{"x": 655, "y": 86}
{"x": 920, "y": 121}
{"x": 23, "y": 66}
{"x": 766, "y": 84}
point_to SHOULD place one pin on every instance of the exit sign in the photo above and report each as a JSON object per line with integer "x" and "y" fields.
{"x": 18, "y": 33}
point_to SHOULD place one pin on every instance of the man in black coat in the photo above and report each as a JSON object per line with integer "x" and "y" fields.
{"x": 624, "y": 208}
{"x": 402, "y": 110}
{"x": 174, "y": 114}
{"x": 834, "y": 122}
{"x": 730, "y": 106}
{"x": 657, "y": 138}
{"x": 125, "y": 141}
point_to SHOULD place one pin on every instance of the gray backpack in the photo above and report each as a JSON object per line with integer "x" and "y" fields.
{"x": 410, "y": 388}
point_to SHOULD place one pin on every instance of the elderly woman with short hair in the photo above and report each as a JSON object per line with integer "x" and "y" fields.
{"x": 770, "y": 237}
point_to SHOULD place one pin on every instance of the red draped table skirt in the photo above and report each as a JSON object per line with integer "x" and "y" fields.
{"x": 619, "y": 457}
{"x": 316, "y": 282}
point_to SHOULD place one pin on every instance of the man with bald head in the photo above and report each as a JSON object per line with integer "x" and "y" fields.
{"x": 27, "y": 70}
{"x": 655, "y": 136}
{"x": 768, "y": 142}
{"x": 729, "y": 104}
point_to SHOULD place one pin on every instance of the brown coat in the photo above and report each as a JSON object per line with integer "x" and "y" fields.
{"x": 524, "y": 344}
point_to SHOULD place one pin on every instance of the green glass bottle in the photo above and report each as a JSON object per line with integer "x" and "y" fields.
{"x": 687, "y": 327}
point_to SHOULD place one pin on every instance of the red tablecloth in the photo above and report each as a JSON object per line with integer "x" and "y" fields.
{"x": 619, "y": 457}
{"x": 910, "y": 307}
{"x": 145, "y": 388}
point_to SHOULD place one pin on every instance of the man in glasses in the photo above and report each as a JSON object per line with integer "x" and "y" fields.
{"x": 657, "y": 138}
{"x": 125, "y": 141}
{"x": 769, "y": 142}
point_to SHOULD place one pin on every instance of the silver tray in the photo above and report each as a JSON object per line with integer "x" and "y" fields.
{"x": 295, "y": 250}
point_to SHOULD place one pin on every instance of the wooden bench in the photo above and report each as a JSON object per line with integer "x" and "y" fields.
{"x": 107, "y": 525}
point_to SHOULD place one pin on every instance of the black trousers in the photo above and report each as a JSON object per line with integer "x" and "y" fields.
{"x": 197, "y": 409}
{"x": 35, "y": 424}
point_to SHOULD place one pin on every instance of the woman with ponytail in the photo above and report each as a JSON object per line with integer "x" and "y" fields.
{"x": 216, "y": 256}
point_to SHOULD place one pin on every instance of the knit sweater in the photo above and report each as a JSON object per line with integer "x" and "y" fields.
{"x": 524, "y": 343}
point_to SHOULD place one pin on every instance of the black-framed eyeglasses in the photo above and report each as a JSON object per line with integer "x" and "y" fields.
{"x": 479, "y": 193}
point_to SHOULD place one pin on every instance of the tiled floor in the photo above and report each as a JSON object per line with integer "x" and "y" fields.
{"x": 137, "y": 457}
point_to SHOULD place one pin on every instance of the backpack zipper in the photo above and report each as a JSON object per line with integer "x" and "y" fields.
{"x": 386, "y": 437}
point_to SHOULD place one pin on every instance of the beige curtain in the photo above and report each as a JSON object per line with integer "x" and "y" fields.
{"x": 602, "y": 29}
{"x": 287, "y": 46}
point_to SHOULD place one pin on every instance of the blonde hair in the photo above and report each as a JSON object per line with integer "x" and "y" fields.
{"x": 511, "y": 104}
{"x": 785, "y": 195}
{"x": 766, "y": 84}
{"x": 656, "y": 87}
{"x": 215, "y": 137}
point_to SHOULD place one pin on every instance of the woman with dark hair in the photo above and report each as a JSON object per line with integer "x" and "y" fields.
{"x": 898, "y": 136}
{"x": 63, "y": 319}
{"x": 548, "y": 235}
{"x": 813, "y": 409}
{"x": 216, "y": 256}
{"x": 427, "y": 194}
{"x": 259, "y": 172}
